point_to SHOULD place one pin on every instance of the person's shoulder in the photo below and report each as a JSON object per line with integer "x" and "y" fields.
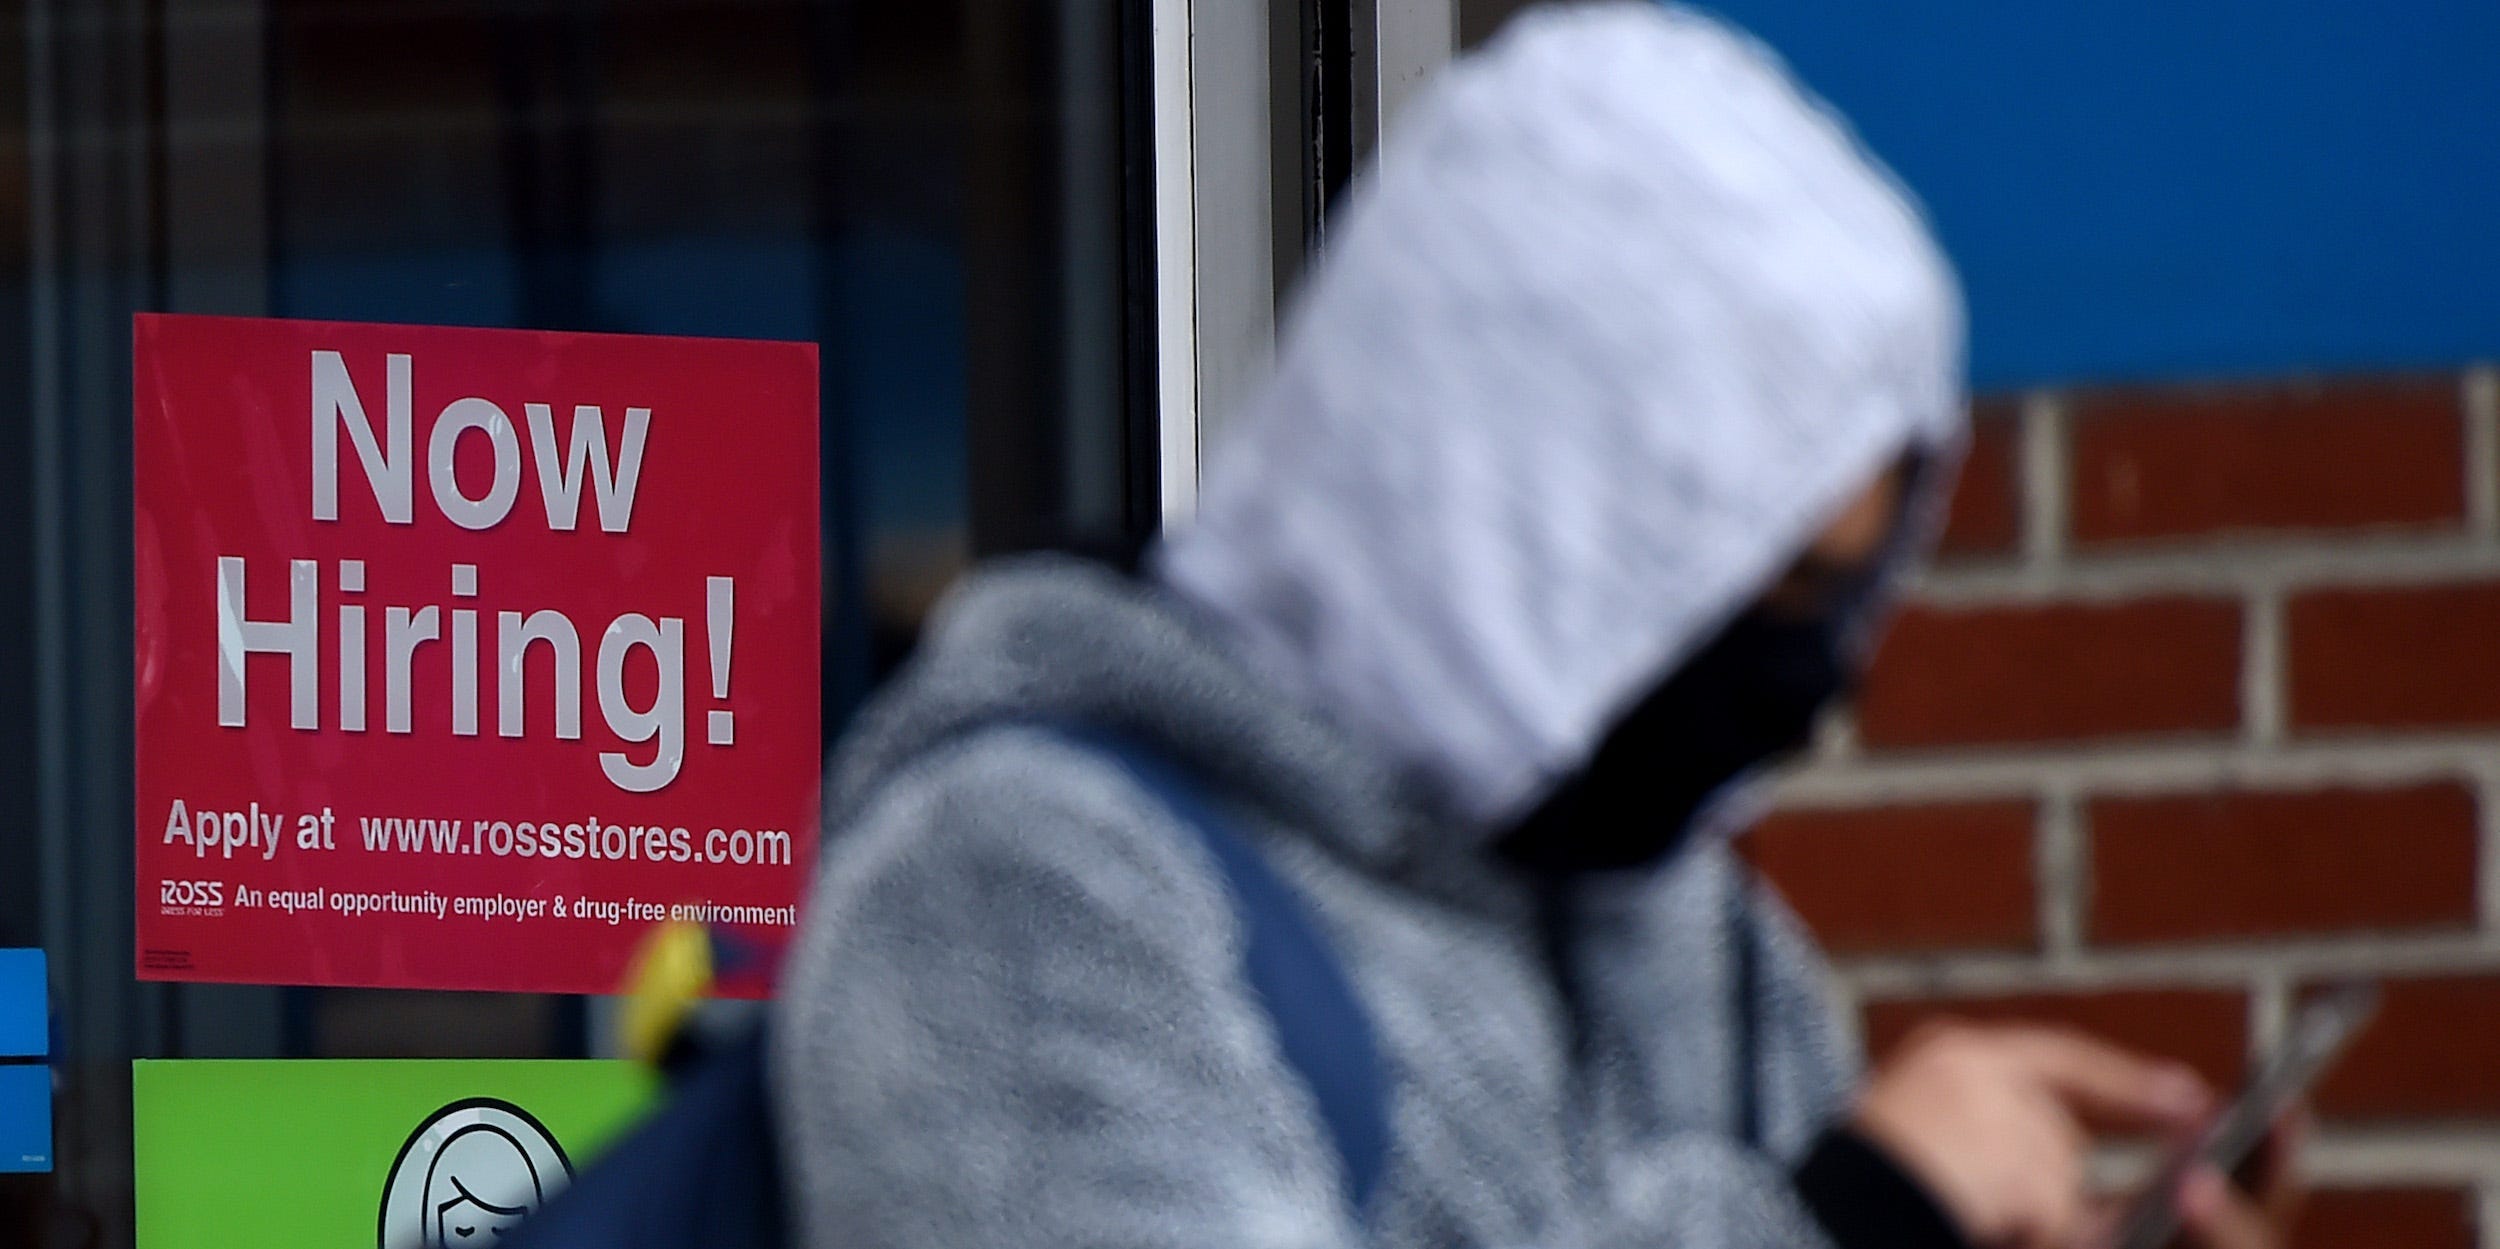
{"x": 1018, "y": 815}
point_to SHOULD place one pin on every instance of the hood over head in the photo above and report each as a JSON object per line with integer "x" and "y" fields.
{"x": 1619, "y": 320}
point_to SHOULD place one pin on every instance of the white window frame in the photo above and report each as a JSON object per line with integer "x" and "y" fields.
{"x": 1215, "y": 272}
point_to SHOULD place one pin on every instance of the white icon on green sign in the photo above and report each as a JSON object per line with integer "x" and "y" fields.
{"x": 467, "y": 1175}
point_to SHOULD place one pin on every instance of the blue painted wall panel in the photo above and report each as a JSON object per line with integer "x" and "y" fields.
{"x": 2155, "y": 189}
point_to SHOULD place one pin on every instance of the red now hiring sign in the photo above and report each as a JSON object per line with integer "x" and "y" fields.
{"x": 464, "y": 656}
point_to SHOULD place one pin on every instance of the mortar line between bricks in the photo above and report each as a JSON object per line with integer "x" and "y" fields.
{"x": 2487, "y": 847}
{"x": 1836, "y": 735}
{"x": 2482, "y": 452}
{"x": 2261, "y": 668}
{"x": 2212, "y": 966}
{"x": 2487, "y": 1214}
{"x": 2269, "y": 1002}
{"x": 2061, "y": 873}
{"x": 2425, "y": 1155}
{"x": 2144, "y": 768}
{"x": 2042, "y": 472}
{"x": 1848, "y": 1006}
{"x": 2377, "y": 559}
{"x": 2347, "y": 1156}
{"x": 2116, "y": 1166}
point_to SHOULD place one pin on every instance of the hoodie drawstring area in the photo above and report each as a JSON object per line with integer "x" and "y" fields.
{"x": 1554, "y": 923}
{"x": 1743, "y": 1009}
{"x": 1554, "y": 913}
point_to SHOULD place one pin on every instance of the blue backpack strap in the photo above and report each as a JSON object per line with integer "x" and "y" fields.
{"x": 702, "y": 1169}
{"x": 1320, "y": 1024}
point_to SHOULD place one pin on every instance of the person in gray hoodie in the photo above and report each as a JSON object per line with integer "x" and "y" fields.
{"x": 1621, "y": 396}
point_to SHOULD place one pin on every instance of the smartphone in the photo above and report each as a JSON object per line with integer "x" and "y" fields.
{"x": 2324, "y": 1026}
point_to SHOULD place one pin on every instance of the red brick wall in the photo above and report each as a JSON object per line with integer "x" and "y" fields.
{"x": 2201, "y": 706}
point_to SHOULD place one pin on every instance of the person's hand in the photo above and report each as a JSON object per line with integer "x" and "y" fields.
{"x": 1996, "y": 1122}
{"x": 2253, "y": 1209}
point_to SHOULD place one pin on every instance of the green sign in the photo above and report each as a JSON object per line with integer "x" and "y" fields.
{"x": 401, "y": 1154}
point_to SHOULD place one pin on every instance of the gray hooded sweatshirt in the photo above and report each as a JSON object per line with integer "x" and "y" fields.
{"x": 1616, "y": 325}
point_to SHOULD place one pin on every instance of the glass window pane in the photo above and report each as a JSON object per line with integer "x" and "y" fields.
{"x": 949, "y": 198}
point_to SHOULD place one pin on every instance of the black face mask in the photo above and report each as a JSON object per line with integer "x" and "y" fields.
{"x": 1747, "y": 697}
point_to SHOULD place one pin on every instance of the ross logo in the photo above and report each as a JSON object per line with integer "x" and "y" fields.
{"x": 467, "y": 1175}
{"x": 191, "y": 897}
